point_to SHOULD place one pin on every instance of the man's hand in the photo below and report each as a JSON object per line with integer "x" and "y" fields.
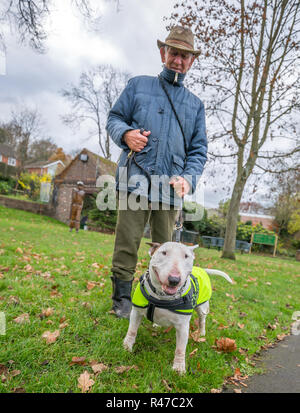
{"x": 135, "y": 140}
{"x": 180, "y": 185}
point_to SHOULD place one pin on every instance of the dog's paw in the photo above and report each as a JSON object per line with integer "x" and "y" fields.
{"x": 127, "y": 345}
{"x": 179, "y": 368}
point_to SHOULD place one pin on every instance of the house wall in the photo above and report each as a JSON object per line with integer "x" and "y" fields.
{"x": 267, "y": 223}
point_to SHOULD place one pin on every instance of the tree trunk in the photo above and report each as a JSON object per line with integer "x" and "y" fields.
{"x": 232, "y": 218}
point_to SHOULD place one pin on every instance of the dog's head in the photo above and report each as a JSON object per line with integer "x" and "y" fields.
{"x": 170, "y": 265}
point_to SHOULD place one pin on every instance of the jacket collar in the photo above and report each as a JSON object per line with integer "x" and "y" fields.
{"x": 173, "y": 77}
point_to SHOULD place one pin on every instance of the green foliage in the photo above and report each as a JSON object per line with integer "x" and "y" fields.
{"x": 102, "y": 219}
{"x": 5, "y": 188}
{"x": 7, "y": 170}
{"x": 31, "y": 184}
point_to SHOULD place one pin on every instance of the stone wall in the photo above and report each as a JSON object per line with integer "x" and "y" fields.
{"x": 36, "y": 208}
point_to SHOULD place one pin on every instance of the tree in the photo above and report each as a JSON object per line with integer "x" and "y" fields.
{"x": 286, "y": 190}
{"x": 41, "y": 149}
{"x": 92, "y": 99}
{"x": 29, "y": 19}
{"x": 248, "y": 70}
{"x": 26, "y": 127}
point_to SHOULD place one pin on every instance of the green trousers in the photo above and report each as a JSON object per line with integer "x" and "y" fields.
{"x": 129, "y": 232}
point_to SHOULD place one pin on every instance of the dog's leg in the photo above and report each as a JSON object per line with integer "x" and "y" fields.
{"x": 182, "y": 336}
{"x": 202, "y": 311}
{"x": 134, "y": 323}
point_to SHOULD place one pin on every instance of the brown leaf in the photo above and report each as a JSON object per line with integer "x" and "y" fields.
{"x": 84, "y": 382}
{"x": 122, "y": 369}
{"x": 166, "y": 385}
{"x": 241, "y": 326}
{"x": 51, "y": 337}
{"x": 23, "y": 318}
{"x": 14, "y": 373}
{"x": 99, "y": 368}
{"x": 215, "y": 390}
{"x": 226, "y": 344}
{"x": 78, "y": 360}
{"x": 193, "y": 352}
{"x": 196, "y": 337}
{"x": 48, "y": 312}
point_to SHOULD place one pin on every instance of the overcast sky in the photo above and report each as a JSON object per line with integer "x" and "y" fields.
{"x": 126, "y": 39}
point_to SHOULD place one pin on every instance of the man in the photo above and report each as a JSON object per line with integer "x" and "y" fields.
{"x": 144, "y": 124}
{"x": 76, "y": 206}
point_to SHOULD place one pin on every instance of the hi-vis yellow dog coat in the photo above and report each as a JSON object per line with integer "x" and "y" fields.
{"x": 198, "y": 292}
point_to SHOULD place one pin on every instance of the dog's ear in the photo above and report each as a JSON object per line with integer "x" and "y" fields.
{"x": 193, "y": 246}
{"x": 154, "y": 247}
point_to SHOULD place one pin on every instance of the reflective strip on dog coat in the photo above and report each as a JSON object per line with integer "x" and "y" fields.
{"x": 198, "y": 292}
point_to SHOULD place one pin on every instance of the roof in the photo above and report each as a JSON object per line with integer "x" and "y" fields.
{"x": 43, "y": 164}
{"x": 7, "y": 151}
{"x": 101, "y": 165}
{"x": 244, "y": 214}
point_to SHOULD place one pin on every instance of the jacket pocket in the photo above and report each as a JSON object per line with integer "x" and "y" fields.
{"x": 177, "y": 165}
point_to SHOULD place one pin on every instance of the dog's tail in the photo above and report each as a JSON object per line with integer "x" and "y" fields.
{"x": 217, "y": 272}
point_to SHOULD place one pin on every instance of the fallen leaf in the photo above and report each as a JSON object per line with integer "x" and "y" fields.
{"x": 122, "y": 369}
{"x": 90, "y": 285}
{"x": 99, "y": 368}
{"x": 48, "y": 312}
{"x": 215, "y": 390}
{"x": 23, "y": 318}
{"x": 19, "y": 250}
{"x": 166, "y": 385}
{"x": 226, "y": 344}
{"x": 85, "y": 382}
{"x": 51, "y": 337}
{"x": 196, "y": 336}
{"x": 14, "y": 373}
{"x": 193, "y": 352}
{"x": 241, "y": 326}
{"x": 78, "y": 360}
{"x": 237, "y": 390}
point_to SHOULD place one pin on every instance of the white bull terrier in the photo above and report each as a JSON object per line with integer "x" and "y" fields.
{"x": 168, "y": 292}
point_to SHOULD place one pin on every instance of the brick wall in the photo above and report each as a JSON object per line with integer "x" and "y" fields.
{"x": 43, "y": 209}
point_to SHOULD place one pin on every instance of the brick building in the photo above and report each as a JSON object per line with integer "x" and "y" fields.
{"x": 45, "y": 167}
{"x": 8, "y": 156}
{"x": 85, "y": 167}
{"x": 266, "y": 221}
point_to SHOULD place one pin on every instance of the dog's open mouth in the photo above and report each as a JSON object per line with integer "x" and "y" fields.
{"x": 169, "y": 290}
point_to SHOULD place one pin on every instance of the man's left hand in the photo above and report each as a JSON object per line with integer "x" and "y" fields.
{"x": 180, "y": 185}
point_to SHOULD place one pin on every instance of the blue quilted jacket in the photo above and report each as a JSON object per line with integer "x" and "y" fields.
{"x": 144, "y": 104}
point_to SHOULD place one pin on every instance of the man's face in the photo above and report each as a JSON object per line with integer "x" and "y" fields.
{"x": 177, "y": 60}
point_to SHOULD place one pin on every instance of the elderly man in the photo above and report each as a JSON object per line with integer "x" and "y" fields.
{"x": 160, "y": 125}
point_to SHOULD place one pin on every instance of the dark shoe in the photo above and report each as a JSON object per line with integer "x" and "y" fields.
{"x": 121, "y": 297}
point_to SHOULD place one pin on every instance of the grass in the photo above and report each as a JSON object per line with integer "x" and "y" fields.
{"x": 43, "y": 265}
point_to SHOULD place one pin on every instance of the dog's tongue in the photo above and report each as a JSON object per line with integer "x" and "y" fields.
{"x": 170, "y": 290}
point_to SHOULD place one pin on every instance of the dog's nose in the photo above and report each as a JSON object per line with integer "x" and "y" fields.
{"x": 173, "y": 281}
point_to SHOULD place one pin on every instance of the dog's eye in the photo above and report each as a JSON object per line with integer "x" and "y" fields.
{"x": 186, "y": 256}
{"x": 164, "y": 252}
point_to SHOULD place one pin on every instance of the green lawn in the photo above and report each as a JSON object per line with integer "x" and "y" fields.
{"x": 44, "y": 266}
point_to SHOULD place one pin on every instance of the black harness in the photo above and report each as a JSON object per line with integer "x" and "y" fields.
{"x": 183, "y": 305}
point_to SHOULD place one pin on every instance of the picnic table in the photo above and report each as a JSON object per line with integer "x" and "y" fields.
{"x": 218, "y": 242}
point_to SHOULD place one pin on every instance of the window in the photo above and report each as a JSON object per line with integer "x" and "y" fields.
{"x": 12, "y": 161}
